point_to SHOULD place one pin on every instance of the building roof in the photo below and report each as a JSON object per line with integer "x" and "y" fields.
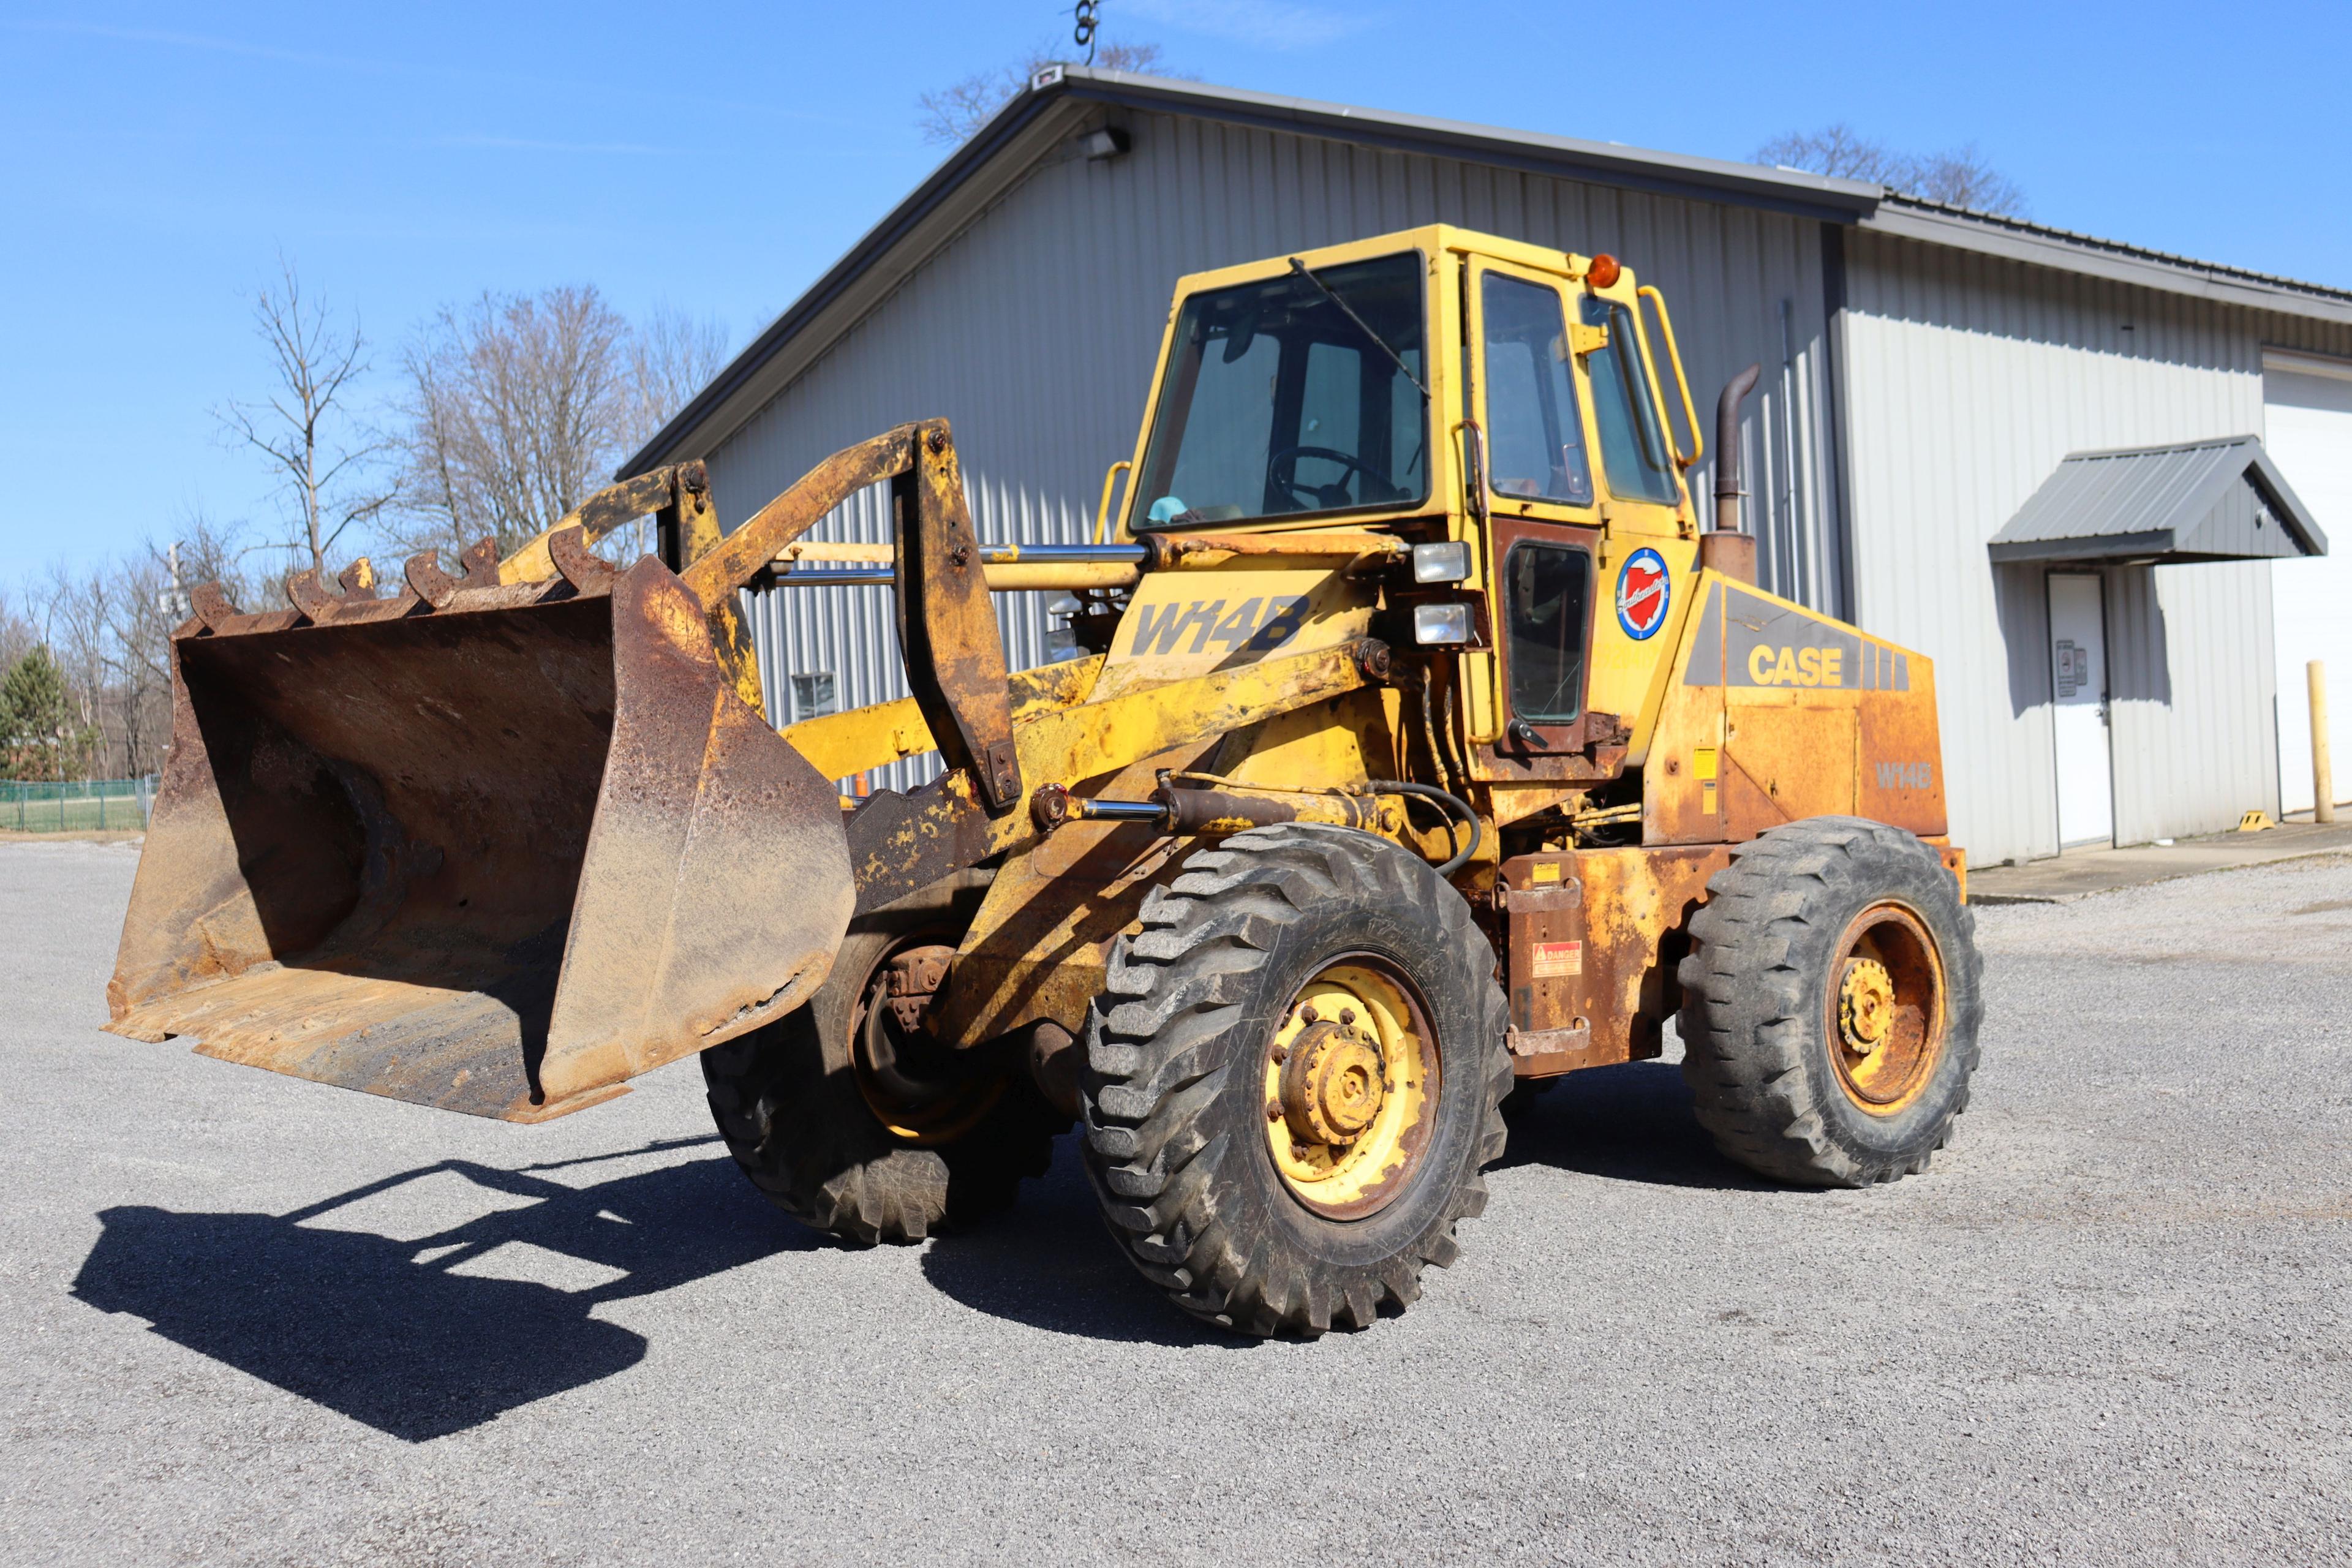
{"x": 2204, "y": 501}
{"x": 1060, "y": 99}
{"x": 2018, "y": 240}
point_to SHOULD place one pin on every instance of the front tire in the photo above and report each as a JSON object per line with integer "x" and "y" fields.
{"x": 1292, "y": 1080}
{"x": 1831, "y": 1003}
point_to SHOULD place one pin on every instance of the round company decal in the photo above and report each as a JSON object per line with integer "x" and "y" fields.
{"x": 1644, "y": 592}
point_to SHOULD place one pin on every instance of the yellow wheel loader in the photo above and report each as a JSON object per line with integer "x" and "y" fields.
{"x": 1424, "y": 744}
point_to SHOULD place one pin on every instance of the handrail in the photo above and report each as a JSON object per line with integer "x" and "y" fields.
{"x": 1102, "y": 509}
{"x": 1681, "y": 383}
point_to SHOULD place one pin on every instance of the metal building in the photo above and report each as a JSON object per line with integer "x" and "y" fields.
{"x": 1926, "y": 372}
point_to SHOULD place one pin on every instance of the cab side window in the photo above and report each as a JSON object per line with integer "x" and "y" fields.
{"x": 1549, "y": 588}
{"x": 1535, "y": 431}
{"x": 1633, "y": 451}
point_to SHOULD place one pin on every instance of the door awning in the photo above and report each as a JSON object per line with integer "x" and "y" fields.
{"x": 2222, "y": 500}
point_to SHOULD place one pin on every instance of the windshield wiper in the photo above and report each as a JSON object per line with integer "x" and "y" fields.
{"x": 1348, "y": 310}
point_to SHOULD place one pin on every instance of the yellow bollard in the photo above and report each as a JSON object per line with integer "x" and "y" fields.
{"x": 2323, "y": 779}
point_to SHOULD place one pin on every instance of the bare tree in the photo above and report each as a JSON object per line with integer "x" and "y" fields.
{"x": 950, "y": 114}
{"x": 1959, "y": 177}
{"x": 516, "y": 406}
{"x": 672, "y": 356}
{"x": 79, "y": 607}
{"x": 106, "y": 632}
{"x": 323, "y": 458}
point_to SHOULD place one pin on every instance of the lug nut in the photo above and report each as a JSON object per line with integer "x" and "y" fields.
{"x": 1347, "y": 1015}
{"x": 1281, "y": 1055}
{"x": 1274, "y": 1111}
{"x": 1310, "y": 1014}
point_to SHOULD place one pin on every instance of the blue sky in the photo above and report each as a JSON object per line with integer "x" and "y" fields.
{"x": 716, "y": 158}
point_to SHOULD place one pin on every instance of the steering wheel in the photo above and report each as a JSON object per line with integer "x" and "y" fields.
{"x": 1282, "y": 473}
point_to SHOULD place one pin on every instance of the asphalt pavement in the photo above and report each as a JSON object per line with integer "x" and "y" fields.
{"x": 245, "y": 1319}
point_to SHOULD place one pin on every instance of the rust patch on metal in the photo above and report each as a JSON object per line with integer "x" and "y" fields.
{"x": 947, "y": 626}
{"x": 1623, "y": 910}
{"x": 495, "y": 856}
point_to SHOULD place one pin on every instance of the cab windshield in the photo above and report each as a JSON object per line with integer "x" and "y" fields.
{"x": 1277, "y": 404}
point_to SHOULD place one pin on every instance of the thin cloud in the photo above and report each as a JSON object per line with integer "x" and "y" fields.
{"x": 211, "y": 44}
{"x": 522, "y": 145}
{"x": 200, "y": 41}
{"x": 1276, "y": 26}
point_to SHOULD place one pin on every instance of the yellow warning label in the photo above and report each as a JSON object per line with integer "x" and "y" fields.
{"x": 1544, "y": 871}
{"x": 1703, "y": 763}
{"x": 1707, "y": 797}
{"x": 1554, "y": 958}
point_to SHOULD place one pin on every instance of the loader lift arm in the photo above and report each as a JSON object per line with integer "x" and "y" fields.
{"x": 946, "y": 627}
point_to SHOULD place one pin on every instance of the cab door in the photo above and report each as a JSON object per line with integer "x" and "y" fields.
{"x": 1531, "y": 461}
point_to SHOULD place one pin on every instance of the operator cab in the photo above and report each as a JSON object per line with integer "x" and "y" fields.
{"x": 1486, "y": 392}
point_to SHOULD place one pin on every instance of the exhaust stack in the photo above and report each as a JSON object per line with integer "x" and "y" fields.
{"x": 1728, "y": 549}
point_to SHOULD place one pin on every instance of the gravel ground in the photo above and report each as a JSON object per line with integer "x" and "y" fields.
{"x": 249, "y": 1319}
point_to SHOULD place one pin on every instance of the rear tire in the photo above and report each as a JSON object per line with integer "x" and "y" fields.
{"x": 1237, "y": 1162}
{"x": 790, "y": 1102}
{"x": 1831, "y": 1003}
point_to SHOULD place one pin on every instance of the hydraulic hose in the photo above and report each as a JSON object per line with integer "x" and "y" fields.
{"x": 1453, "y": 804}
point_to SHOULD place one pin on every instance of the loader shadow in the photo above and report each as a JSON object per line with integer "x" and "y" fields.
{"x": 1630, "y": 1123}
{"x": 1048, "y": 1264}
{"x": 386, "y": 1332}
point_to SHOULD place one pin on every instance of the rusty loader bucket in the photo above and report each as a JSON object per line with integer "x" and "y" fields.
{"x": 491, "y": 847}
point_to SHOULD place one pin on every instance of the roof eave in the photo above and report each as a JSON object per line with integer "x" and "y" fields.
{"x": 2016, "y": 241}
{"x": 1790, "y": 191}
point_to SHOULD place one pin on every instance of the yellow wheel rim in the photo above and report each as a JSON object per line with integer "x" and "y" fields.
{"x": 1885, "y": 1019}
{"x": 1350, "y": 1082}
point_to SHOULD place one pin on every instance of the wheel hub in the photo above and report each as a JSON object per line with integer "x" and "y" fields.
{"x": 1883, "y": 1011}
{"x": 1332, "y": 1083}
{"x": 924, "y": 1092}
{"x": 1866, "y": 1005}
{"x": 912, "y": 977}
{"x": 1351, "y": 1078}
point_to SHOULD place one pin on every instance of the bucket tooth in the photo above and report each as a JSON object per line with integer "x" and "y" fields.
{"x": 212, "y": 605}
{"x": 358, "y": 580}
{"x": 424, "y": 574}
{"x": 481, "y": 560}
{"x": 580, "y": 567}
{"x": 306, "y": 594}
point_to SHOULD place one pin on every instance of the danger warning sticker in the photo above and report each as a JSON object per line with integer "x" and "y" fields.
{"x": 1554, "y": 958}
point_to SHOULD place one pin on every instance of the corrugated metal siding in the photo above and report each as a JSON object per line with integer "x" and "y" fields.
{"x": 1036, "y": 329}
{"x": 1967, "y": 380}
{"x": 2190, "y": 649}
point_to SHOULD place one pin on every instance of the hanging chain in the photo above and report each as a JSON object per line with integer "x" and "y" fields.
{"x": 1083, "y": 33}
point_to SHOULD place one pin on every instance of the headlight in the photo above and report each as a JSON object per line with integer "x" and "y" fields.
{"x": 1434, "y": 624}
{"x": 1447, "y": 562}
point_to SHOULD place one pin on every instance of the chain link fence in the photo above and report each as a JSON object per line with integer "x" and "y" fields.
{"x": 78, "y": 806}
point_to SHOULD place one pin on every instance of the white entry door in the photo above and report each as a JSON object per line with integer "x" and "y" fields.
{"x": 2078, "y": 686}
